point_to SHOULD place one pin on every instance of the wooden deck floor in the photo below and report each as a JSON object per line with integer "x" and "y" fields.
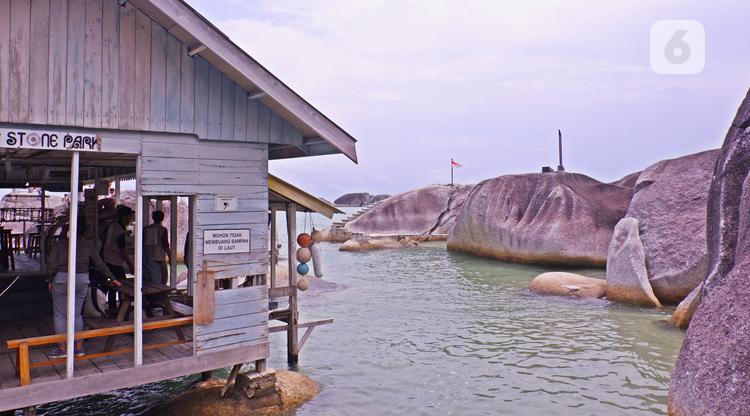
{"x": 24, "y": 264}
{"x": 39, "y": 327}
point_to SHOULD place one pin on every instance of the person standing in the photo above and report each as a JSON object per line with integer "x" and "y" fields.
{"x": 86, "y": 256}
{"x": 114, "y": 248}
{"x": 155, "y": 250}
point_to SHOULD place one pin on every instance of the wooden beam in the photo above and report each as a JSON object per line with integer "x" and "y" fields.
{"x": 195, "y": 50}
{"x": 102, "y": 332}
{"x": 274, "y": 257}
{"x": 173, "y": 241}
{"x": 138, "y": 284}
{"x": 23, "y": 364}
{"x": 291, "y": 333}
{"x": 72, "y": 245}
{"x": 255, "y": 95}
{"x": 282, "y": 328}
{"x": 279, "y": 292}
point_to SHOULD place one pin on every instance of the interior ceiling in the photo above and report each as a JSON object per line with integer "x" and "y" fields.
{"x": 51, "y": 169}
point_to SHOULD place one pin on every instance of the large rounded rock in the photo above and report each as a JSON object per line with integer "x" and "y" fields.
{"x": 568, "y": 284}
{"x": 712, "y": 374}
{"x": 670, "y": 205}
{"x": 543, "y": 218}
{"x": 267, "y": 395}
{"x": 627, "y": 278}
{"x": 425, "y": 211}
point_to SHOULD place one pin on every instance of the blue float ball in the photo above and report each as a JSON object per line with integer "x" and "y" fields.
{"x": 303, "y": 269}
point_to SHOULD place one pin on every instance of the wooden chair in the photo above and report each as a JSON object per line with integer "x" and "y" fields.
{"x": 34, "y": 245}
{"x": 22, "y": 345}
{"x": 8, "y": 249}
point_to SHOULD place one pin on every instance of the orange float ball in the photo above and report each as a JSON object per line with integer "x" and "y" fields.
{"x": 304, "y": 240}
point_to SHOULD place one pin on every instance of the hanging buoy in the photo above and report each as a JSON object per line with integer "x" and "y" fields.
{"x": 317, "y": 259}
{"x": 303, "y": 254}
{"x": 304, "y": 240}
{"x": 303, "y": 269}
{"x": 303, "y": 284}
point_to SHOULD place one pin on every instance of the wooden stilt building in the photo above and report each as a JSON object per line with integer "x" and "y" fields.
{"x": 100, "y": 91}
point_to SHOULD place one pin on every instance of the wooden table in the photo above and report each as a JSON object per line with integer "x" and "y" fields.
{"x": 152, "y": 293}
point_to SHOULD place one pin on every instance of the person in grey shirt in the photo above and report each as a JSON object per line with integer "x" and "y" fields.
{"x": 86, "y": 256}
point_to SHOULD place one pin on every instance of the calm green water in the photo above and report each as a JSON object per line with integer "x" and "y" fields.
{"x": 427, "y": 332}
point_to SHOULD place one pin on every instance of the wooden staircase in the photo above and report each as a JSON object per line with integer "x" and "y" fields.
{"x": 342, "y": 223}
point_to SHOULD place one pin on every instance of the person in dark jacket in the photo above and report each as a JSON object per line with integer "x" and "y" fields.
{"x": 87, "y": 255}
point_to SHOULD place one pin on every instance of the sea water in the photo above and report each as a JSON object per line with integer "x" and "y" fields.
{"x": 423, "y": 331}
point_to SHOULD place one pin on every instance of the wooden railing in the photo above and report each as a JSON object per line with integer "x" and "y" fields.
{"x": 22, "y": 345}
{"x": 25, "y": 214}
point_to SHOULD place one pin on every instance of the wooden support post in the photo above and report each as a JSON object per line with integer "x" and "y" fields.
{"x": 291, "y": 333}
{"x": 23, "y": 364}
{"x": 274, "y": 243}
{"x": 204, "y": 299}
{"x": 138, "y": 263}
{"x": 192, "y": 230}
{"x": 260, "y": 366}
{"x": 42, "y": 233}
{"x": 232, "y": 378}
{"x": 72, "y": 245}
{"x": 173, "y": 241}
{"x": 117, "y": 191}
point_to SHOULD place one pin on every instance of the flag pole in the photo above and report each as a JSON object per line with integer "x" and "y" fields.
{"x": 451, "y": 172}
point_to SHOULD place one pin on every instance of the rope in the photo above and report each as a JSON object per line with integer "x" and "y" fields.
{"x": 10, "y": 285}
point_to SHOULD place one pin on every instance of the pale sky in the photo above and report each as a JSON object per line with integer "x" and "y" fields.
{"x": 490, "y": 82}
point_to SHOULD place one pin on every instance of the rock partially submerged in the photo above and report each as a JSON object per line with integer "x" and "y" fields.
{"x": 670, "y": 202}
{"x": 568, "y": 284}
{"x": 362, "y": 242}
{"x": 270, "y": 394}
{"x": 542, "y": 218}
{"x": 712, "y": 373}
{"x": 426, "y": 211}
{"x": 627, "y": 278}
{"x": 686, "y": 309}
{"x": 333, "y": 235}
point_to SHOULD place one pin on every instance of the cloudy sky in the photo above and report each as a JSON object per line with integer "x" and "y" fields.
{"x": 490, "y": 82}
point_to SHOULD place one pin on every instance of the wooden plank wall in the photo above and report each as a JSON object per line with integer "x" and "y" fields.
{"x": 176, "y": 165}
{"x": 182, "y": 166}
{"x": 95, "y": 64}
{"x": 240, "y": 320}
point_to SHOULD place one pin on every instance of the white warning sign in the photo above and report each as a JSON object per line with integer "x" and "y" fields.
{"x": 226, "y": 241}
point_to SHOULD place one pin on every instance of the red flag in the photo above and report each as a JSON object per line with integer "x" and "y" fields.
{"x": 456, "y": 164}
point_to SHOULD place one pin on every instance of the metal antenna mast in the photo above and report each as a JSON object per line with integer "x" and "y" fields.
{"x": 560, "y": 167}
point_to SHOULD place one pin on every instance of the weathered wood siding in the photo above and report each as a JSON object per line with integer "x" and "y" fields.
{"x": 95, "y": 64}
{"x": 240, "y": 320}
{"x": 179, "y": 165}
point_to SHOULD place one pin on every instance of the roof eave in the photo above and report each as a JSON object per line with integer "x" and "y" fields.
{"x": 184, "y": 22}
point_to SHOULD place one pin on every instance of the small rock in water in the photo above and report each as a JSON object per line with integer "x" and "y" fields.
{"x": 627, "y": 276}
{"x": 568, "y": 284}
